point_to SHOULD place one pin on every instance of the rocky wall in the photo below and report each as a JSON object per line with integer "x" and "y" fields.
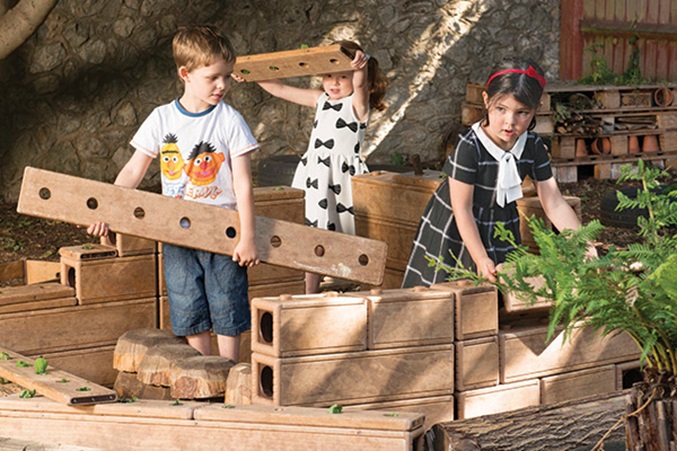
{"x": 76, "y": 91}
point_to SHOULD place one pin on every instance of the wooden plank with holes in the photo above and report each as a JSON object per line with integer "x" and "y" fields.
{"x": 148, "y": 424}
{"x": 148, "y": 215}
{"x": 55, "y": 384}
{"x": 293, "y": 63}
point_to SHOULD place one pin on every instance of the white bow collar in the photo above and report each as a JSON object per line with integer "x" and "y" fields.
{"x": 508, "y": 183}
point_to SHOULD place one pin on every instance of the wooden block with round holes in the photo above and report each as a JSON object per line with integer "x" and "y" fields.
{"x": 353, "y": 377}
{"x": 293, "y": 63}
{"x": 111, "y": 279}
{"x": 149, "y": 215}
{"x": 287, "y": 326}
{"x": 408, "y": 317}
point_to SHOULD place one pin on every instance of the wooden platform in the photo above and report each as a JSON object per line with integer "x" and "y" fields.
{"x": 153, "y": 425}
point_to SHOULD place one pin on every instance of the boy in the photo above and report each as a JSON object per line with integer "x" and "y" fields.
{"x": 204, "y": 146}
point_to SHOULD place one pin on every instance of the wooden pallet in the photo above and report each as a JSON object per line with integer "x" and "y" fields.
{"x": 148, "y": 215}
{"x": 294, "y": 63}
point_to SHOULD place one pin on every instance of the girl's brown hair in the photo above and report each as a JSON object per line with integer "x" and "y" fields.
{"x": 376, "y": 79}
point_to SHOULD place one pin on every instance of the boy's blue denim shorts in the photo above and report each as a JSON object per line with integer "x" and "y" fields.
{"x": 206, "y": 291}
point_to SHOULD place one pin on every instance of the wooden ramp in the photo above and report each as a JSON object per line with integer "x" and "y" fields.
{"x": 150, "y": 425}
{"x": 57, "y": 385}
{"x": 293, "y": 63}
{"x": 148, "y": 215}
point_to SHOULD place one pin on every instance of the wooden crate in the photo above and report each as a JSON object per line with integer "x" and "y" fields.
{"x": 436, "y": 409}
{"x": 353, "y": 377}
{"x": 69, "y": 328}
{"x": 476, "y": 363}
{"x": 399, "y": 236}
{"x": 94, "y": 364}
{"x": 531, "y": 206}
{"x": 110, "y": 279}
{"x": 581, "y": 384}
{"x": 475, "y": 309}
{"x": 525, "y": 354}
{"x": 408, "y": 317}
{"x": 501, "y": 398}
{"x": 128, "y": 245}
{"x": 627, "y": 373}
{"x": 27, "y": 272}
{"x": 288, "y": 326}
{"x": 24, "y": 298}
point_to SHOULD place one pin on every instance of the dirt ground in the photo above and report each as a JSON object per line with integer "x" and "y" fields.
{"x": 33, "y": 238}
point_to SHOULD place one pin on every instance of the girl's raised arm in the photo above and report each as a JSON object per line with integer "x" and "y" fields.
{"x": 301, "y": 96}
{"x": 360, "y": 86}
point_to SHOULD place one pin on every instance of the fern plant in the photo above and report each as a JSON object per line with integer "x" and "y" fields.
{"x": 632, "y": 290}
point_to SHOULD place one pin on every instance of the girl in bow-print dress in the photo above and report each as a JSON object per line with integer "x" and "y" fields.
{"x": 334, "y": 150}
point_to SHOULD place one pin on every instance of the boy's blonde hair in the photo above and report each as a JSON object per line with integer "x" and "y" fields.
{"x": 199, "y": 46}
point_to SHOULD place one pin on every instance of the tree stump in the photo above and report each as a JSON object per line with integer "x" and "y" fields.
{"x": 155, "y": 368}
{"x": 133, "y": 345}
{"x": 239, "y": 384}
{"x": 651, "y": 414}
{"x": 199, "y": 377}
{"x": 565, "y": 426}
{"x": 127, "y": 385}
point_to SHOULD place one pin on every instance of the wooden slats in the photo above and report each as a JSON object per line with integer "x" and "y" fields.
{"x": 55, "y": 384}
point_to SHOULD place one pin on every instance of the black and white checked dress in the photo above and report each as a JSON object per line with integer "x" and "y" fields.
{"x": 437, "y": 234}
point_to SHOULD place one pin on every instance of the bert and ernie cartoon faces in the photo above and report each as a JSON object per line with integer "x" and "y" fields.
{"x": 202, "y": 166}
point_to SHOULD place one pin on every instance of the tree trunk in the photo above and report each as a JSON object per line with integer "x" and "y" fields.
{"x": 651, "y": 415}
{"x": 18, "y": 23}
{"x": 543, "y": 428}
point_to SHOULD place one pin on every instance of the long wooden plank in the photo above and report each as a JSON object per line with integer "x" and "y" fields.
{"x": 293, "y": 63}
{"x": 145, "y": 425}
{"x": 55, "y": 384}
{"x": 76, "y": 200}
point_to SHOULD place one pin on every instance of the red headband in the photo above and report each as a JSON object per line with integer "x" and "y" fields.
{"x": 530, "y": 72}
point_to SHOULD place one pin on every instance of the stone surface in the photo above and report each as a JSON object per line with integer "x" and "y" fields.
{"x": 78, "y": 89}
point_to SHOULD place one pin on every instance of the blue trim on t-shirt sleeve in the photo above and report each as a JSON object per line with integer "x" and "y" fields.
{"x": 185, "y": 112}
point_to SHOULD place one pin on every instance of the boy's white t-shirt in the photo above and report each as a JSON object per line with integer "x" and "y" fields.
{"x": 196, "y": 150}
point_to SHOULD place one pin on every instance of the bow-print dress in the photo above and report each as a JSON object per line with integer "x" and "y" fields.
{"x": 332, "y": 158}
{"x": 477, "y": 161}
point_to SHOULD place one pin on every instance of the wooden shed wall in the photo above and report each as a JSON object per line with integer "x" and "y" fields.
{"x": 614, "y": 24}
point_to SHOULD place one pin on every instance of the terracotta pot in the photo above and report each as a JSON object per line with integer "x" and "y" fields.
{"x": 581, "y": 148}
{"x": 601, "y": 146}
{"x": 662, "y": 96}
{"x": 633, "y": 144}
{"x": 650, "y": 144}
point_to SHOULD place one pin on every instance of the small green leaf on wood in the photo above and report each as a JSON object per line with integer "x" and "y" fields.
{"x": 5, "y": 356}
{"x": 84, "y": 389}
{"x": 336, "y": 408}
{"x": 26, "y": 393}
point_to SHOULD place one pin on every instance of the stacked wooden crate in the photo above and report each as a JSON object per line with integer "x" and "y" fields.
{"x": 376, "y": 350}
{"x": 600, "y": 127}
{"x": 411, "y": 349}
{"x": 388, "y": 207}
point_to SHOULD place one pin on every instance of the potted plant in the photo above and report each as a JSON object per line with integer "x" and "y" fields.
{"x": 631, "y": 290}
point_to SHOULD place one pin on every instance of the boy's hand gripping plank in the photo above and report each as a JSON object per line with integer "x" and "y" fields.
{"x": 293, "y": 63}
{"x": 153, "y": 216}
{"x": 54, "y": 384}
